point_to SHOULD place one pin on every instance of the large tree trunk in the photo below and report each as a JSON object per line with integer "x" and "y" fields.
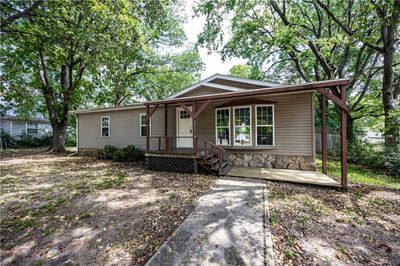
{"x": 388, "y": 97}
{"x": 59, "y": 131}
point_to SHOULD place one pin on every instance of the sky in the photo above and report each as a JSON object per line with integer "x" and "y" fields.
{"x": 212, "y": 62}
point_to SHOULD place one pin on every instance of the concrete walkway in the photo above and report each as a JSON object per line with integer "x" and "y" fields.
{"x": 229, "y": 227}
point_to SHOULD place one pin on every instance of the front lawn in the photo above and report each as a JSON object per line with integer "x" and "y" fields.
{"x": 83, "y": 211}
{"x": 322, "y": 226}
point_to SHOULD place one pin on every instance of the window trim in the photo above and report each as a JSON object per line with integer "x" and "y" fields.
{"x": 101, "y": 126}
{"x": 32, "y": 123}
{"x": 140, "y": 125}
{"x": 251, "y": 126}
{"x": 273, "y": 125}
{"x": 229, "y": 127}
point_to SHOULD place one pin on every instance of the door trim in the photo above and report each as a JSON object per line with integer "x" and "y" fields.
{"x": 177, "y": 115}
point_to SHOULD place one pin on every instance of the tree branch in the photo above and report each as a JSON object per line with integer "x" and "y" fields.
{"x": 21, "y": 14}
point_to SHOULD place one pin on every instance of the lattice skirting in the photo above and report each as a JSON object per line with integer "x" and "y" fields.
{"x": 168, "y": 164}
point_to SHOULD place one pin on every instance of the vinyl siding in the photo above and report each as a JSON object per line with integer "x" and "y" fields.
{"x": 202, "y": 91}
{"x": 124, "y": 128}
{"x": 18, "y": 128}
{"x": 293, "y": 126}
{"x": 5, "y": 125}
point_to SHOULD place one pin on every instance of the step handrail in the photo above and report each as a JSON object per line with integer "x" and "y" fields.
{"x": 212, "y": 146}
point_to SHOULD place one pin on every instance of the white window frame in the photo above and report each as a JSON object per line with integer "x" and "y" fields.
{"x": 32, "y": 123}
{"x": 140, "y": 125}
{"x": 273, "y": 125}
{"x": 101, "y": 126}
{"x": 234, "y": 126}
{"x": 229, "y": 127}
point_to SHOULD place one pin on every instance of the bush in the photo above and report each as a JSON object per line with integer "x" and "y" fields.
{"x": 371, "y": 156}
{"x": 127, "y": 154}
{"x": 26, "y": 141}
{"x": 109, "y": 151}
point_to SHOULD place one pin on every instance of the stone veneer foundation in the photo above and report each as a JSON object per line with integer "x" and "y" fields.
{"x": 294, "y": 162}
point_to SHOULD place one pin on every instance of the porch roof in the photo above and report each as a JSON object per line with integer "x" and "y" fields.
{"x": 311, "y": 86}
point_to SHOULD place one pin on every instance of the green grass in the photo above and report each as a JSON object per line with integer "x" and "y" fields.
{"x": 360, "y": 174}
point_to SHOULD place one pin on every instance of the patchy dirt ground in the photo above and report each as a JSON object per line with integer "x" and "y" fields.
{"x": 79, "y": 210}
{"x": 319, "y": 226}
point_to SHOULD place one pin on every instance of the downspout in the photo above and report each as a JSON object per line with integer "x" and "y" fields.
{"x": 76, "y": 135}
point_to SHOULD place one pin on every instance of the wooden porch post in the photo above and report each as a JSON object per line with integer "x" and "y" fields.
{"x": 323, "y": 132}
{"x": 194, "y": 133}
{"x": 147, "y": 128}
{"x": 343, "y": 138}
{"x": 166, "y": 126}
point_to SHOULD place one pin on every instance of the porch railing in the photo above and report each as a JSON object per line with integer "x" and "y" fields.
{"x": 165, "y": 142}
{"x": 209, "y": 149}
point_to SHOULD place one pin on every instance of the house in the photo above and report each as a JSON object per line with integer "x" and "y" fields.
{"x": 16, "y": 126}
{"x": 220, "y": 121}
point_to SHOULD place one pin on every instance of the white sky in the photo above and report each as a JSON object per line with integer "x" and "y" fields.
{"x": 212, "y": 62}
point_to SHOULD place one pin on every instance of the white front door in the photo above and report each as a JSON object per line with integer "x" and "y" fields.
{"x": 183, "y": 129}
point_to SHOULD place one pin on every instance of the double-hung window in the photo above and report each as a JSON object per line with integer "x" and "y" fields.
{"x": 222, "y": 125}
{"x": 105, "y": 126}
{"x": 265, "y": 125}
{"x": 143, "y": 128}
{"x": 32, "y": 128}
{"x": 242, "y": 126}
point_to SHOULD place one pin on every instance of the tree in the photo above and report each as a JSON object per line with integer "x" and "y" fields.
{"x": 248, "y": 71}
{"x": 377, "y": 28}
{"x": 50, "y": 55}
{"x": 146, "y": 76}
{"x": 294, "y": 40}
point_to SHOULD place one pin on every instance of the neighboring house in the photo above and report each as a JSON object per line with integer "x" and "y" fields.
{"x": 16, "y": 127}
{"x": 220, "y": 121}
{"x": 374, "y": 137}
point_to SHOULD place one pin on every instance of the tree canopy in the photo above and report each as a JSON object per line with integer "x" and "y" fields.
{"x": 299, "y": 41}
{"x": 61, "y": 55}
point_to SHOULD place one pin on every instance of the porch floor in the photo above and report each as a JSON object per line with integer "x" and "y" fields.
{"x": 295, "y": 176}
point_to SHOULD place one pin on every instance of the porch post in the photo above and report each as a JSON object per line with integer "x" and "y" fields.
{"x": 147, "y": 128}
{"x": 343, "y": 138}
{"x": 194, "y": 133}
{"x": 166, "y": 126}
{"x": 323, "y": 132}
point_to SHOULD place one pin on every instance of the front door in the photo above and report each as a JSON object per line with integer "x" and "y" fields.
{"x": 183, "y": 129}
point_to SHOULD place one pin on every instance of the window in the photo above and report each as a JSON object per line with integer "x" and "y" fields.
{"x": 265, "y": 125}
{"x": 183, "y": 114}
{"x": 143, "y": 129}
{"x": 105, "y": 126}
{"x": 242, "y": 126}
{"x": 32, "y": 128}
{"x": 222, "y": 125}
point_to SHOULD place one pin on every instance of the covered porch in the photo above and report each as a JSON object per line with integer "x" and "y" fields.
{"x": 171, "y": 147}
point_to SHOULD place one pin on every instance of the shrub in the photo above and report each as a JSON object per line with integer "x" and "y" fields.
{"x": 26, "y": 141}
{"x": 127, "y": 154}
{"x": 119, "y": 156}
{"x": 371, "y": 156}
{"x": 109, "y": 152}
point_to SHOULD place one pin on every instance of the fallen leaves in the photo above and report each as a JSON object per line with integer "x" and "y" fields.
{"x": 323, "y": 226}
{"x": 80, "y": 210}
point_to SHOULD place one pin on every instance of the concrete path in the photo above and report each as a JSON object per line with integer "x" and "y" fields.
{"x": 229, "y": 227}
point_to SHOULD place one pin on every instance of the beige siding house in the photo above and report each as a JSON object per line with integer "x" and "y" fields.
{"x": 199, "y": 125}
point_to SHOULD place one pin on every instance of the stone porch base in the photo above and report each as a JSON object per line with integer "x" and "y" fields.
{"x": 294, "y": 162}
